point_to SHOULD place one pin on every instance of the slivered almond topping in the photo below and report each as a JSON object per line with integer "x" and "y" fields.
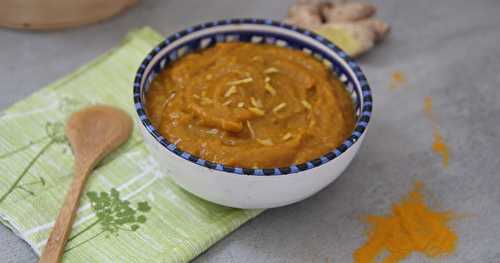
{"x": 208, "y": 77}
{"x": 205, "y": 101}
{"x": 267, "y": 79}
{"x": 213, "y": 131}
{"x": 257, "y": 111}
{"x": 253, "y": 101}
{"x": 227, "y": 103}
{"x": 271, "y": 70}
{"x": 196, "y": 96}
{"x": 249, "y": 126}
{"x": 265, "y": 142}
{"x": 256, "y": 103}
{"x": 270, "y": 88}
{"x": 286, "y": 136}
{"x": 306, "y": 104}
{"x": 177, "y": 141}
{"x": 312, "y": 123}
{"x": 172, "y": 96}
{"x": 230, "y": 91}
{"x": 241, "y": 104}
{"x": 240, "y": 81}
{"x": 279, "y": 107}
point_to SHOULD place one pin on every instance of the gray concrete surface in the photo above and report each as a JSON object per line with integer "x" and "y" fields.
{"x": 448, "y": 49}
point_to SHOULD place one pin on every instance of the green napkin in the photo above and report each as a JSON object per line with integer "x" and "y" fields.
{"x": 130, "y": 212}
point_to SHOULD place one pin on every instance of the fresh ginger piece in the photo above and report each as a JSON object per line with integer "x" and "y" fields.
{"x": 348, "y": 12}
{"x": 305, "y": 15}
{"x": 347, "y": 24}
{"x": 353, "y": 38}
{"x": 308, "y": 2}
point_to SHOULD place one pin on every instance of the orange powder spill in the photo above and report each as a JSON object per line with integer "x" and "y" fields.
{"x": 439, "y": 146}
{"x": 411, "y": 227}
{"x": 398, "y": 79}
{"x": 428, "y": 107}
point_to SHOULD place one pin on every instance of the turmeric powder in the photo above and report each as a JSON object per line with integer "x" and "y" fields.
{"x": 411, "y": 227}
{"x": 398, "y": 79}
{"x": 428, "y": 108}
{"x": 439, "y": 145}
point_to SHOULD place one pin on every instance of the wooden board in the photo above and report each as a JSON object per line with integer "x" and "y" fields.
{"x": 56, "y": 14}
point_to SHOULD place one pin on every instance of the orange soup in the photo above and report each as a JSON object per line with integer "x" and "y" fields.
{"x": 251, "y": 105}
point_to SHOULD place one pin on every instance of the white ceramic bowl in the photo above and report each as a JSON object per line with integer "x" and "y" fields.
{"x": 236, "y": 186}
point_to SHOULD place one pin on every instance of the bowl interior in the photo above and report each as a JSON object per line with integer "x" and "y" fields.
{"x": 256, "y": 31}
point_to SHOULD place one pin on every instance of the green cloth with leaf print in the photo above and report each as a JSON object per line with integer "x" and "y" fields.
{"x": 130, "y": 212}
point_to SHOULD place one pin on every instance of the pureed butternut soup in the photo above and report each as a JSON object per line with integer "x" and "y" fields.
{"x": 251, "y": 105}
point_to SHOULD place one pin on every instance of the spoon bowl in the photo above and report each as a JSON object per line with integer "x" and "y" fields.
{"x": 96, "y": 131}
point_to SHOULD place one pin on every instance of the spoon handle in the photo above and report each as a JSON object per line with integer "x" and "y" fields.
{"x": 54, "y": 248}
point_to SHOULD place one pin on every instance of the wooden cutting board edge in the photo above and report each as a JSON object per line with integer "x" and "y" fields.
{"x": 22, "y": 17}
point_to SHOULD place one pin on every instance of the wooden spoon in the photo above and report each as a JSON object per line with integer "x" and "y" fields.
{"x": 93, "y": 133}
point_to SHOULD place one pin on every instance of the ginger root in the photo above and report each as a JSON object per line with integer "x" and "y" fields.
{"x": 354, "y": 38}
{"x": 348, "y": 12}
{"x": 304, "y": 14}
{"x": 348, "y": 24}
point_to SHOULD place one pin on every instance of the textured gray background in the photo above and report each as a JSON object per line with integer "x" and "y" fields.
{"x": 449, "y": 49}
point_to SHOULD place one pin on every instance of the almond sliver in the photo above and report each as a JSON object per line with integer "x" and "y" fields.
{"x": 230, "y": 91}
{"x": 279, "y": 107}
{"x": 271, "y": 70}
{"x": 306, "y": 104}
{"x": 240, "y": 81}
{"x": 286, "y": 136}
{"x": 265, "y": 142}
{"x": 257, "y": 111}
{"x": 270, "y": 88}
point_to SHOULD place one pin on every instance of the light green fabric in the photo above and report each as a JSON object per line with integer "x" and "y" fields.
{"x": 131, "y": 212}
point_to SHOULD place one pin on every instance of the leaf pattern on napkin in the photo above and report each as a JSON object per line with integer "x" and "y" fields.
{"x": 54, "y": 135}
{"x": 113, "y": 215}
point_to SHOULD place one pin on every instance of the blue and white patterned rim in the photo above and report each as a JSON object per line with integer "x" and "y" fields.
{"x": 364, "y": 106}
